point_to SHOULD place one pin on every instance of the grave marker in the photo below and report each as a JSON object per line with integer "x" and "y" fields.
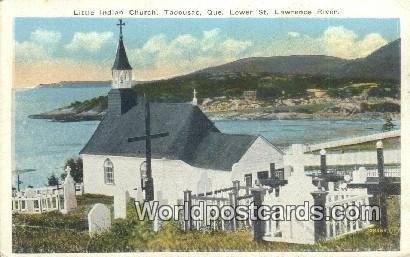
{"x": 121, "y": 198}
{"x": 99, "y": 219}
{"x": 70, "y": 201}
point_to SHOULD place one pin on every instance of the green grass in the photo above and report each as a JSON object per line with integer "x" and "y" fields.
{"x": 100, "y": 102}
{"x": 134, "y": 235}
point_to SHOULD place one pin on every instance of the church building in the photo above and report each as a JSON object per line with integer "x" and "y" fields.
{"x": 192, "y": 153}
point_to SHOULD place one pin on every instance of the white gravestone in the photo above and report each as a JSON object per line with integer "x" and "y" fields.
{"x": 99, "y": 219}
{"x": 70, "y": 201}
{"x": 121, "y": 198}
{"x": 331, "y": 186}
{"x": 360, "y": 175}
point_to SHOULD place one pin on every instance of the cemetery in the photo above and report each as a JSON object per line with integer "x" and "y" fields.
{"x": 108, "y": 224}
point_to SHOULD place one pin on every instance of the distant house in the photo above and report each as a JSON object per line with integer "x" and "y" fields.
{"x": 195, "y": 155}
{"x": 316, "y": 93}
{"x": 250, "y": 95}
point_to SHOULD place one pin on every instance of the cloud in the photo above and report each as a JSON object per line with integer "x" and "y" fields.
{"x": 344, "y": 43}
{"x": 370, "y": 43}
{"x": 89, "y": 42}
{"x": 45, "y": 37}
{"x": 185, "y": 53}
{"x": 335, "y": 41}
{"x": 341, "y": 42}
{"x": 42, "y": 45}
{"x": 293, "y": 34}
{"x": 29, "y": 51}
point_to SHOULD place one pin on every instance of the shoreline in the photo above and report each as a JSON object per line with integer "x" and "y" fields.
{"x": 69, "y": 116}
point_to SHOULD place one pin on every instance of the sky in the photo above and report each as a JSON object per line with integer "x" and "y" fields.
{"x": 50, "y": 50}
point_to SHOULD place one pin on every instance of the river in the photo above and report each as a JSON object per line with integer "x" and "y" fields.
{"x": 44, "y": 145}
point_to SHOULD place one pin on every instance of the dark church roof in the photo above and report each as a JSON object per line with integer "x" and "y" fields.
{"x": 193, "y": 138}
{"x": 121, "y": 60}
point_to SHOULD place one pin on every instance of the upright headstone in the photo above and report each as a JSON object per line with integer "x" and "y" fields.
{"x": 331, "y": 186}
{"x": 359, "y": 176}
{"x": 70, "y": 201}
{"x": 121, "y": 198}
{"x": 287, "y": 170}
{"x": 99, "y": 219}
{"x": 298, "y": 160}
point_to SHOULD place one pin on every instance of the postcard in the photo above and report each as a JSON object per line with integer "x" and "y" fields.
{"x": 254, "y": 128}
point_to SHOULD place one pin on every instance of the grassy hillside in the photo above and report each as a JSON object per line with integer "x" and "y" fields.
{"x": 268, "y": 86}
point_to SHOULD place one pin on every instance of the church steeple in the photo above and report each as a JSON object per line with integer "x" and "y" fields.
{"x": 121, "y": 97}
{"x": 121, "y": 69}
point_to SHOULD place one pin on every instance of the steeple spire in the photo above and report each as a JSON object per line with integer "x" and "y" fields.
{"x": 121, "y": 69}
{"x": 121, "y": 97}
{"x": 121, "y": 60}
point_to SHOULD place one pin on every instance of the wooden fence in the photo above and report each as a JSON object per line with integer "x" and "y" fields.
{"x": 231, "y": 196}
{"x": 356, "y": 197}
{"x": 38, "y": 200}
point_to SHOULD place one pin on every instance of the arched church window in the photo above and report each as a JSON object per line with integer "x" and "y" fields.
{"x": 108, "y": 172}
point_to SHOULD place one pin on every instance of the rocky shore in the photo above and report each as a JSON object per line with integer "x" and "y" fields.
{"x": 69, "y": 115}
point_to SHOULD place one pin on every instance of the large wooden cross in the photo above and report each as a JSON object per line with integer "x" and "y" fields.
{"x": 149, "y": 183}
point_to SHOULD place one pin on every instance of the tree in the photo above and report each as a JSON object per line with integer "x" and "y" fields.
{"x": 388, "y": 124}
{"x": 76, "y": 165}
{"x": 53, "y": 180}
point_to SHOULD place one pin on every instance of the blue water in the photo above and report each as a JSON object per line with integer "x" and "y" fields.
{"x": 44, "y": 145}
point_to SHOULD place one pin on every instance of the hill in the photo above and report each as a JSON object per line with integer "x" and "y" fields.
{"x": 294, "y": 78}
{"x": 383, "y": 63}
{"x": 316, "y": 65}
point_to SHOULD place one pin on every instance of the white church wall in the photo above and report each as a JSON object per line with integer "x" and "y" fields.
{"x": 126, "y": 174}
{"x": 171, "y": 177}
{"x": 257, "y": 158}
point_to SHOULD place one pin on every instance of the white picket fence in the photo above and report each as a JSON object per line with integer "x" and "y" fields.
{"x": 394, "y": 172}
{"x": 37, "y": 204}
{"x": 357, "y": 197}
{"x": 39, "y": 200}
{"x": 388, "y": 172}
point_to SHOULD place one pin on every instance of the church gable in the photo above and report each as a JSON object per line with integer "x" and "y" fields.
{"x": 221, "y": 151}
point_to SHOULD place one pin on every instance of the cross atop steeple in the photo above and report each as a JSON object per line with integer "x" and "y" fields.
{"x": 121, "y": 24}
